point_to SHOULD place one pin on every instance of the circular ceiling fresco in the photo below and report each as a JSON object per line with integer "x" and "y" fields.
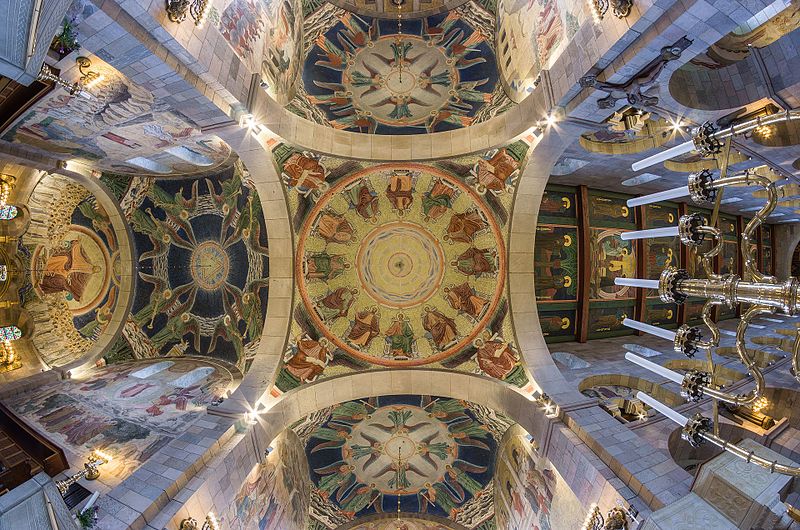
{"x": 416, "y": 454}
{"x": 439, "y": 73}
{"x": 401, "y": 265}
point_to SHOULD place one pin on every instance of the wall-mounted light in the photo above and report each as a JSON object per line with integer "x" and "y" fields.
{"x": 190, "y": 523}
{"x": 620, "y": 8}
{"x": 89, "y": 78}
{"x": 91, "y": 470}
{"x": 178, "y": 9}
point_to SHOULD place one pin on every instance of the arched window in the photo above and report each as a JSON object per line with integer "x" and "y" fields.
{"x": 149, "y": 165}
{"x": 8, "y": 212}
{"x": 193, "y": 377}
{"x": 190, "y": 155}
{"x": 153, "y": 369}
{"x": 9, "y": 333}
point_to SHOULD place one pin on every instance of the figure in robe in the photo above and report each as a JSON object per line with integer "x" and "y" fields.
{"x": 442, "y": 328}
{"x": 475, "y": 262}
{"x": 463, "y": 226}
{"x": 400, "y": 190}
{"x": 68, "y": 270}
{"x": 364, "y": 201}
{"x": 400, "y": 338}
{"x": 554, "y": 324}
{"x": 309, "y": 360}
{"x": 492, "y": 174}
{"x": 437, "y": 201}
{"x": 464, "y": 299}
{"x": 495, "y": 358}
{"x": 365, "y": 328}
{"x": 603, "y": 207}
{"x": 324, "y": 266}
{"x": 337, "y": 303}
{"x": 334, "y": 228}
{"x": 304, "y": 172}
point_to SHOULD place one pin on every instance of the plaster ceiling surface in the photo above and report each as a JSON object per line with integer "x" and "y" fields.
{"x": 432, "y": 74}
{"x": 400, "y": 265}
{"x": 416, "y": 454}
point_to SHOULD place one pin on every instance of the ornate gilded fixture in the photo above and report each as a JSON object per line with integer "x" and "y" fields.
{"x": 190, "y": 523}
{"x": 91, "y": 470}
{"x": 620, "y": 8}
{"x": 89, "y": 78}
{"x": 615, "y": 519}
{"x": 178, "y": 9}
{"x": 46, "y": 74}
{"x": 763, "y": 293}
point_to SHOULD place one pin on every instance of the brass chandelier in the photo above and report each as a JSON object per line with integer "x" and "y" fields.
{"x": 764, "y": 293}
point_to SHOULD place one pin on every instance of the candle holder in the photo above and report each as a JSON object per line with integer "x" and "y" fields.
{"x": 190, "y": 523}
{"x": 177, "y": 10}
{"x": 615, "y": 519}
{"x": 90, "y": 471}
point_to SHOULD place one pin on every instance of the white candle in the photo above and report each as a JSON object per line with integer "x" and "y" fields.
{"x": 637, "y": 282}
{"x": 666, "y": 373}
{"x": 678, "y": 418}
{"x": 667, "y": 231}
{"x": 91, "y": 502}
{"x": 647, "y": 328}
{"x": 672, "y": 152}
{"x": 659, "y": 196}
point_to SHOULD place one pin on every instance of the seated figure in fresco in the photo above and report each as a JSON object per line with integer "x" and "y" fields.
{"x": 364, "y": 201}
{"x": 464, "y": 299}
{"x": 495, "y": 357}
{"x": 400, "y": 338}
{"x": 324, "y": 266}
{"x": 304, "y": 172}
{"x": 475, "y": 262}
{"x": 463, "y": 226}
{"x": 67, "y": 270}
{"x": 492, "y": 174}
{"x": 400, "y": 190}
{"x": 365, "y": 327}
{"x": 336, "y": 303}
{"x": 309, "y": 359}
{"x": 334, "y": 228}
{"x": 442, "y": 329}
{"x": 437, "y": 201}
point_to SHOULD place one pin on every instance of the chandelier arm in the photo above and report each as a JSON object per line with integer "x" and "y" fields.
{"x": 750, "y": 457}
{"x": 705, "y": 257}
{"x": 796, "y": 357}
{"x": 750, "y": 363}
{"x": 711, "y": 325}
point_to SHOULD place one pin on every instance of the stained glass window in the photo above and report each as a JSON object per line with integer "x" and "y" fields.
{"x": 8, "y": 212}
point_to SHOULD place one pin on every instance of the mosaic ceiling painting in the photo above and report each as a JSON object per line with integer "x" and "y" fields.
{"x": 71, "y": 253}
{"x": 400, "y": 265}
{"x": 531, "y": 36}
{"x": 265, "y": 35}
{"x": 418, "y": 454}
{"x": 121, "y": 127}
{"x": 439, "y": 73}
{"x": 404, "y": 523}
{"x": 203, "y": 268}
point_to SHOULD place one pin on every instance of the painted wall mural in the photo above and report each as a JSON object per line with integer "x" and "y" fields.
{"x": 275, "y": 495}
{"x": 403, "y": 523}
{"x": 72, "y": 254}
{"x": 431, "y": 455}
{"x": 129, "y": 410}
{"x": 440, "y": 74}
{"x": 531, "y": 36}
{"x": 400, "y": 264}
{"x": 266, "y": 35}
{"x": 203, "y": 268}
{"x": 529, "y": 492}
{"x": 122, "y": 128}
